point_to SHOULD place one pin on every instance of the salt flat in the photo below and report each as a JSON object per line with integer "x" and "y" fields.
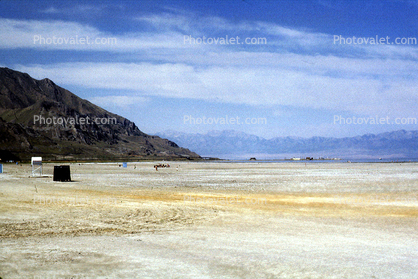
{"x": 211, "y": 220}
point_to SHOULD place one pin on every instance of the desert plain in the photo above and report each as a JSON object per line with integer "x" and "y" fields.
{"x": 211, "y": 220}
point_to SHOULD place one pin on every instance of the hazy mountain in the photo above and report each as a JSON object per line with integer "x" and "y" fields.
{"x": 232, "y": 144}
{"x": 24, "y": 100}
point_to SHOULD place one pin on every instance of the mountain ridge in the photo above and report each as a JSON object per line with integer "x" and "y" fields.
{"x": 22, "y": 98}
{"x": 399, "y": 144}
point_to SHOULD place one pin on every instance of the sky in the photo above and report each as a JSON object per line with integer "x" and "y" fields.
{"x": 271, "y": 68}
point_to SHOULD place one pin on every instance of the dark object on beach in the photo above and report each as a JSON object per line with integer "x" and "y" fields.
{"x": 253, "y": 159}
{"x": 62, "y": 173}
{"x": 161, "y": 166}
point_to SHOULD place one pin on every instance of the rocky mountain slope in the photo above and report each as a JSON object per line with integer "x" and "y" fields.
{"x": 40, "y": 118}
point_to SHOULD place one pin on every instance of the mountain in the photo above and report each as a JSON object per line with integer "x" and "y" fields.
{"x": 234, "y": 145}
{"x": 220, "y": 143}
{"x": 40, "y": 118}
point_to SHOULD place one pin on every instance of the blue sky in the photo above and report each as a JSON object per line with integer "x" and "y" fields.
{"x": 298, "y": 81}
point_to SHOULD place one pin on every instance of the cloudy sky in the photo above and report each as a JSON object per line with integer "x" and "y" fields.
{"x": 282, "y": 68}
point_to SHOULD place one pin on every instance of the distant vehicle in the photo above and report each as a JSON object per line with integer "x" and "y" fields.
{"x": 161, "y": 166}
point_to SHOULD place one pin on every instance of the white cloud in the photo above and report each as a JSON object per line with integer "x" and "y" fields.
{"x": 64, "y": 35}
{"x": 50, "y": 10}
{"x": 357, "y": 93}
{"x": 168, "y": 37}
{"x": 372, "y": 80}
{"x": 167, "y": 21}
{"x": 119, "y": 101}
{"x": 85, "y": 10}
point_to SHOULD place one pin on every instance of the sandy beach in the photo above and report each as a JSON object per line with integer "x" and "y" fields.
{"x": 211, "y": 220}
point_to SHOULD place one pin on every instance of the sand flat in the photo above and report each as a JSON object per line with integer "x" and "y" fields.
{"x": 211, "y": 220}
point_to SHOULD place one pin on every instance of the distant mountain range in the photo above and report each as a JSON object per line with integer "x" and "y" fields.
{"x": 24, "y": 99}
{"x": 239, "y": 145}
{"x": 25, "y": 102}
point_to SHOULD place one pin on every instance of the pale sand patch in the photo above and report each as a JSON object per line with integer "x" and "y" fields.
{"x": 211, "y": 220}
